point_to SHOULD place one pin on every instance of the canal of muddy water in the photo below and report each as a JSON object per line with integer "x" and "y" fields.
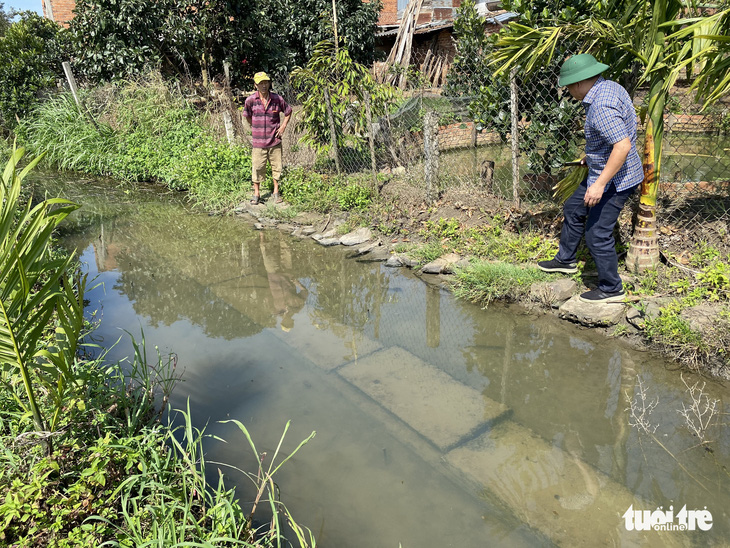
{"x": 438, "y": 423}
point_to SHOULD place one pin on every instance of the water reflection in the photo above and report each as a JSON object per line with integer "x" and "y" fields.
{"x": 271, "y": 328}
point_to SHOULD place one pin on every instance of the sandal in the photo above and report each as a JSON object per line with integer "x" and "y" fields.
{"x": 277, "y": 198}
{"x": 256, "y": 200}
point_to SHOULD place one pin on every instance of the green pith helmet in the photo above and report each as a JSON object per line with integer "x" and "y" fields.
{"x": 579, "y": 67}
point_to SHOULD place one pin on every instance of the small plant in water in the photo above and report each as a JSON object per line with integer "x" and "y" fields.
{"x": 640, "y": 408}
{"x": 701, "y": 413}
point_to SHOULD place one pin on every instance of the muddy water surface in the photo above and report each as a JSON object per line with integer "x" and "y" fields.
{"x": 438, "y": 423}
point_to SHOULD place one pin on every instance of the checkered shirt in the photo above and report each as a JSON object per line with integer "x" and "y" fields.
{"x": 265, "y": 120}
{"x": 610, "y": 118}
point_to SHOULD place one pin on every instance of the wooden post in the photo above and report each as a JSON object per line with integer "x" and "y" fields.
{"x": 334, "y": 24}
{"x": 431, "y": 153}
{"x": 333, "y": 132}
{"x": 227, "y": 73}
{"x": 371, "y": 138}
{"x": 515, "y": 138}
{"x": 72, "y": 84}
{"x": 228, "y": 124}
{"x": 75, "y": 92}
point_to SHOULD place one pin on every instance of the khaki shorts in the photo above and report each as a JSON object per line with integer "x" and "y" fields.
{"x": 259, "y": 157}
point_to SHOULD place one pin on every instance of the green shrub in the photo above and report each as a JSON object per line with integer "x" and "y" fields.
{"x": 354, "y": 196}
{"x": 31, "y": 52}
{"x": 143, "y": 132}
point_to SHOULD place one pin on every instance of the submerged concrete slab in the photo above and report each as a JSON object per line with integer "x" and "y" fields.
{"x": 441, "y": 409}
{"x": 552, "y": 490}
{"x": 327, "y": 348}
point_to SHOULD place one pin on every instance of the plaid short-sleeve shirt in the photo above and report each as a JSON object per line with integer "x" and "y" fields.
{"x": 610, "y": 118}
{"x": 265, "y": 120}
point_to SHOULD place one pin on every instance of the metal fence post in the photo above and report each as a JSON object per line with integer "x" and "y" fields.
{"x": 431, "y": 152}
{"x": 515, "y": 138}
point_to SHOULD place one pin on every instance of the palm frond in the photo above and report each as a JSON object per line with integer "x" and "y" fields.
{"x": 33, "y": 288}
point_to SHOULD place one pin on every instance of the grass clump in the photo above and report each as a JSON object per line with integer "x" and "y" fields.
{"x": 673, "y": 332}
{"x": 483, "y": 282}
{"x": 311, "y": 191}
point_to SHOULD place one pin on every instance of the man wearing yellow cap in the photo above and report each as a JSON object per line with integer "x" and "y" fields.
{"x": 263, "y": 110}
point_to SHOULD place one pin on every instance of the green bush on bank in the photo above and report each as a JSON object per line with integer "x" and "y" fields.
{"x": 139, "y": 131}
{"x": 31, "y": 51}
{"x": 308, "y": 190}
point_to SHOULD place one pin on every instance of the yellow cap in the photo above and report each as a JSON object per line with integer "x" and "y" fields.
{"x": 260, "y": 77}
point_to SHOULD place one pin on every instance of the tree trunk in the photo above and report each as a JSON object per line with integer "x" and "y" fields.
{"x": 644, "y": 248}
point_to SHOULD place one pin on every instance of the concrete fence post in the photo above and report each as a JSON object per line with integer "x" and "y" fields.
{"x": 371, "y": 139}
{"x": 515, "y": 137}
{"x": 431, "y": 153}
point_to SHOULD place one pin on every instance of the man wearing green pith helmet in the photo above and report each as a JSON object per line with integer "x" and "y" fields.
{"x": 614, "y": 172}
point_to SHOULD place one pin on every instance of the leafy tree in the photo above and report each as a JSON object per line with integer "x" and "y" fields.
{"x": 114, "y": 39}
{"x": 31, "y": 52}
{"x": 470, "y": 65}
{"x": 119, "y": 38}
{"x": 5, "y": 19}
{"x": 657, "y": 35}
{"x": 243, "y": 33}
{"x": 305, "y": 23}
{"x": 331, "y": 70}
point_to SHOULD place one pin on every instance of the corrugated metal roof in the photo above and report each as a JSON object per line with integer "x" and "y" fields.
{"x": 502, "y": 18}
{"x": 498, "y": 19}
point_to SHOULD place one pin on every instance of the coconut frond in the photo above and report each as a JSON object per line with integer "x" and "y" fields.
{"x": 565, "y": 187}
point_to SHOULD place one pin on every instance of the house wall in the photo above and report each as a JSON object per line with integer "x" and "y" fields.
{"x": 389, "y": 13}
{"x": 60, "y": 11}
{"x": 431, "y": 10}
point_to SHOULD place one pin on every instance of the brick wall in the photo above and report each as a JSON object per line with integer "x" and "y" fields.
{"x": 62, "y": 10}
{"x": 461, "y": 134}
{"x": 389, "y": 13}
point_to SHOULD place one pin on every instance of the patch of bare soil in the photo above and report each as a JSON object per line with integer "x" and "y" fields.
{"x": 406, "y": 210}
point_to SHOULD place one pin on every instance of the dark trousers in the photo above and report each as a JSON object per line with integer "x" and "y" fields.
{"x": 597, "y": 223}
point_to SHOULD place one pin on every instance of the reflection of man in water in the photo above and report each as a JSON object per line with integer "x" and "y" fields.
{"x": 288, "y": 295}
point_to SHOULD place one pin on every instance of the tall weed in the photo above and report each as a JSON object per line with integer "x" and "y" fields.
{"x": 140, "y": 130}
{"x": 68, "y": 139}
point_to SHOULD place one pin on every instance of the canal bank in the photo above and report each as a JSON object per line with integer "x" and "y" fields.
{"x": 651, "y": 318}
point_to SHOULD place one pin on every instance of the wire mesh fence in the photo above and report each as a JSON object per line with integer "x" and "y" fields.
{"x": 511, "y": 137}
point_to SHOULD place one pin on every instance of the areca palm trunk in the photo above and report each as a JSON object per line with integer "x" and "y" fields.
{"x": 644, "y": 247}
